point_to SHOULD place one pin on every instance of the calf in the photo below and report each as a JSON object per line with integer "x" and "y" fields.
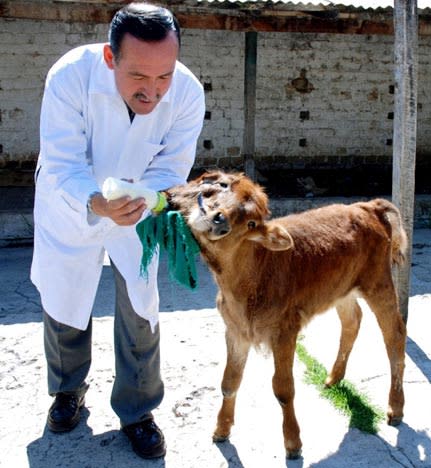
{"x": 274, "y": 275}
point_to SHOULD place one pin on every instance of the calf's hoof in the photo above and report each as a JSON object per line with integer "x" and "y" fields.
{"x": 332, "y": 380}
{"x": 293, "y": 454}
{"x": 329, "y": 382}
{"x": 220, "y": 437}
{"x": 394, "y": 420}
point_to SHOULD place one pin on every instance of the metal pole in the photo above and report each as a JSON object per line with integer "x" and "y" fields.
{"x": 250, "y": 103}
{"x": 404, "y": 140}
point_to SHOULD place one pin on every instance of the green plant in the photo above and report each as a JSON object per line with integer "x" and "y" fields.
{"x": 344, "y": 396}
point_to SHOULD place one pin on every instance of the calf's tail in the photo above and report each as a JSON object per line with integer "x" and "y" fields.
{"x": 398, "y": 235}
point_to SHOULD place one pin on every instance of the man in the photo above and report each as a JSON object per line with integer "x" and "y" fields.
{"x": 130, "y": 110}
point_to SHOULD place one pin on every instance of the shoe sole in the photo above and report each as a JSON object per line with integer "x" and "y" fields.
{"x": 149, "y": 456}
{"x": 156, "y": 452}
{"x": 54, "y": 427}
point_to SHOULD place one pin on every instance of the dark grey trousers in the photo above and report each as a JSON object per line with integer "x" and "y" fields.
{"x": 138, "y": 387}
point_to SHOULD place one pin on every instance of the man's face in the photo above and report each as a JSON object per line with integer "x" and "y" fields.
{"x": 143, "y": 72}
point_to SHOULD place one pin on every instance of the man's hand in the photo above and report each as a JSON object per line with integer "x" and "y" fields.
{"x": 123, "y": 211}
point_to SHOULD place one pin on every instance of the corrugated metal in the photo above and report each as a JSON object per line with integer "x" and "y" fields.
{"x": 379, "y": 3}
{"x": 325, "y": 4}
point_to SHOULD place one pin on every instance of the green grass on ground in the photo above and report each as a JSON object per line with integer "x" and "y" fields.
{"x": 344, "y": 396}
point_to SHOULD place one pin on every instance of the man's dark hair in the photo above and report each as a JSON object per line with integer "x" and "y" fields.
{"x": 143, "y": 21}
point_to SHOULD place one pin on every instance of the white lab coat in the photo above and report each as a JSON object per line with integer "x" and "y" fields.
{"x": 85, "y": 137}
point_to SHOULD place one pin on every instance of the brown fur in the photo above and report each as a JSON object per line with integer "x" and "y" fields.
{"x": 276, "y": 275}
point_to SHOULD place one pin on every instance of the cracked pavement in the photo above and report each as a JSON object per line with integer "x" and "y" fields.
{"x": 193, "y": 357}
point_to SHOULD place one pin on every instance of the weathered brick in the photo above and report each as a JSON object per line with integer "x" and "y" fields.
{"x": 349, "y": 101}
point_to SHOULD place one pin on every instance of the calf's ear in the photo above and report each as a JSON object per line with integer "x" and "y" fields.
{"x": 275, "y": 237}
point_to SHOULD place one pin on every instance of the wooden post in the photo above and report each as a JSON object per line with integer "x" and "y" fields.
{"x": 250, "y": 103}
{"x": 404, "y": 140}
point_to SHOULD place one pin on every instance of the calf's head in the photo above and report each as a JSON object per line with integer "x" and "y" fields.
{"x": 225, "y": 209}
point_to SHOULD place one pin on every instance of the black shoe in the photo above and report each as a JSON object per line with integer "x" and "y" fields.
{"x": 146, "y": 438}
{"x": 64, "y": 413}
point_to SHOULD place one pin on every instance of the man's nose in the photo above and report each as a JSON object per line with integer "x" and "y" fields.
{"x": 154, "y": 90}
{"x": 151, "y": 90}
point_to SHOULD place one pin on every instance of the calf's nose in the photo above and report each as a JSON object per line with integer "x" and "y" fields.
{"x": 220, "y": 224}
{"x": 219, "y": 218}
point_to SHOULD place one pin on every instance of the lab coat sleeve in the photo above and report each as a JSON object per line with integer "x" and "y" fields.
{"x": 63, "y": 156}
{"x": 173, "y": 164}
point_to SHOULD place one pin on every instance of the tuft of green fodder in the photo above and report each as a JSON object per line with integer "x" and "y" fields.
{"x": 344, "y": 396}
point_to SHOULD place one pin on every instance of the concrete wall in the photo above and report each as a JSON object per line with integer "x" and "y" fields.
{"x": 322, "y": 98}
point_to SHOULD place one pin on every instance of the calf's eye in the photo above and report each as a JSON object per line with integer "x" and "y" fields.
{"x": 251, "y": 224}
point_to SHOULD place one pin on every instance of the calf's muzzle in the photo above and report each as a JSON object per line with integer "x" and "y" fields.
{"x": 218, "y": 221}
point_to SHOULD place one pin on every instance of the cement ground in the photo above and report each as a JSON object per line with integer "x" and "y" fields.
{"x": 193, "y": 356}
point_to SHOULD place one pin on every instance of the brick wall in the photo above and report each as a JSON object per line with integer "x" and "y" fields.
{"x": 27, "y": 51}
{"x": 217, "y": 57}
{"x": 321, "y": 98}
{"x": 330, "y": 98}
{"x": 329, "y": 95}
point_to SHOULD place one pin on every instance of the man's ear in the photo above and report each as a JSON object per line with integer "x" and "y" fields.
{"x": 108, "y": 56}
{"x": 274, "y": 237}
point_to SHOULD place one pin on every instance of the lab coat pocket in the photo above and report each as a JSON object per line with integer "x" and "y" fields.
{"x": 61, "y": 219}
{"x": 136, "y": 157}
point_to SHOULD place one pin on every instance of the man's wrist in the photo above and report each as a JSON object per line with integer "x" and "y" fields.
{"x": 90, "y": 202}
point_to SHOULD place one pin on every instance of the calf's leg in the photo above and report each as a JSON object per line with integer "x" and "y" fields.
{"x": 237, "y": 353}
{"x": 284, "y": 390}
{"x": 350, "y": 315}
{"x": 384, "y": 304}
